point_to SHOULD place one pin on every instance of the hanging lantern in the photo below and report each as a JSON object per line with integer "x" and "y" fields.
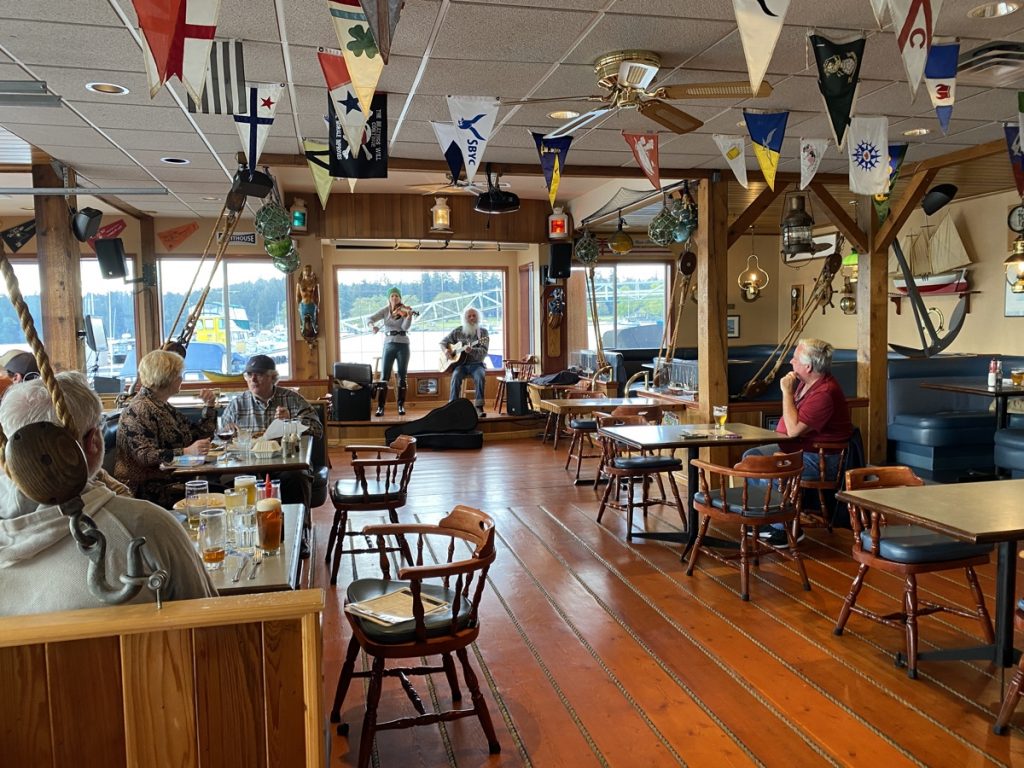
{"x": 753, "y": 279}
{"x": 587, "y": 249}
{"x": 273, "y": 222}
{"x": 558, "y": 224}
{"x": 797, "y": 235}
{"x": 662, "y": 227}
{"x": 621, "y": 243}
{"x": 1015, "y": 266}
{"x": 441, "y": 216}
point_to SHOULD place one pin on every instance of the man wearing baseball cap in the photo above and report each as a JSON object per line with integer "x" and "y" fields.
{"x": 22, "y": 367}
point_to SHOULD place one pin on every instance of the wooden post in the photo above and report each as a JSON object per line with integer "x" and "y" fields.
{"x": 147, "y": 302}
{"x": 872, "y": 333}
{"x": 711, "y": 242}
{"x": 59, "y": 272}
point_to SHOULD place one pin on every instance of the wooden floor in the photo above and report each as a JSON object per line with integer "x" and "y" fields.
{"x": 598, "y": 652}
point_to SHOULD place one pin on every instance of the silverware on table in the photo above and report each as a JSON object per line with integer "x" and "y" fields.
{"x": 241, "y": 567}
{"x": 257, "y": 558}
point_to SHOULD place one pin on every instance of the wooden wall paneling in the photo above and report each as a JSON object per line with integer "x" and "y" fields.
{"x": 283, "y": 693}
{"x": 229, "y": 696}
{"x": 24, "y": 715}
{"x": 86, "y": 735}
{"x": 156, "y": 670}
{"x": 312, "y": 687}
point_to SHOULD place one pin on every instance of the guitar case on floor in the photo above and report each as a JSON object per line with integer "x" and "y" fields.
{"x": 452, "y": 426}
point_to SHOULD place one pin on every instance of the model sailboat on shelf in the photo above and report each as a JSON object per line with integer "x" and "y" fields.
{"x": 937, "y": 263}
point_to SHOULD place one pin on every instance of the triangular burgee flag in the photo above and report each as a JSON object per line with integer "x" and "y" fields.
{"x": 175, "y": 236}
{"x": 879, "y": 6}
{"x": 224, "y": 92}
{"x": 1012, "y": 133}
{"x": 869, "y": 152}
{"x": 734, "y": 151}
{"x": 811, "y": 153}
{"x": 838, "y": 75}
{"x": 552, "y": 153}
{"x": 383, "y": 29}
{"x": 767, "y": 129}
{"x": 897, "y": 154}
{"x": 176, "y": 40}
{"x": 940, "y": 78}
{"x": 343, "y": 94}
{"x": 645, "y": 152}
{"x": 913, "y": 22}
{"x": 254, "y": 121}
{"x": 447, "y": 138}
{"x": 318, "y": 160}
{"x": 358, "y": 46}
{"x": 19, "y": 234}
{"x": 370, "y": 160}
{"x": 473, "y": 118}
{"x": 759, "y": 22}
{"x": 351, "y": 184}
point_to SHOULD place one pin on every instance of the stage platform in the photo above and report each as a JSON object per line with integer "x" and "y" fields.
{"x": 494, "y": 426}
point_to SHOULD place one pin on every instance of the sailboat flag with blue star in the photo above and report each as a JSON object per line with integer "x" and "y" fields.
{"x": 767, "y": 129}
{"x": 256, "y": 117}
{"x": 343, "y": 94}
{"x": 868, "y": 149}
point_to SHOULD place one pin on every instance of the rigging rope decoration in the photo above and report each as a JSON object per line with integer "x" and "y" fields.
{"x": 588, "y": 251}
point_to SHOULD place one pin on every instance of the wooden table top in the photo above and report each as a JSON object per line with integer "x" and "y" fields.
{"x": 275, "y": 574}
{"x": 983, "y": 513}
{"x": 1006, "y": 390}
{"x": 237, "y": 464}
{"x": 580, "y": 405}
{"x": 686, "y": 435}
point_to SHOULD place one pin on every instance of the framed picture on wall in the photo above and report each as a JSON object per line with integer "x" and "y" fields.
{"x": 426, "y": 386}
{"x": 732, "y": 326}
{"x": 1014, "y": 302}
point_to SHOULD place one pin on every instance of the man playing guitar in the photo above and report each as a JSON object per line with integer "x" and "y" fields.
{"x": 472, "y": 338}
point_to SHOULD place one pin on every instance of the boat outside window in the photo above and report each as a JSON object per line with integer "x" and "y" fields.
{"x": 11, "y": 335}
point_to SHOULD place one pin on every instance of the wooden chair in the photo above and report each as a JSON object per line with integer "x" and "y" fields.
{"x": 515, "y": 370}
{"x": 651, "y": 414}
{"x": 827, "y": 484}
{"x": 554, "y": 420}
{"x": 460, "y": 584}
{"x": 1016, "y": 682}
{"x": 767, "y": 492}
{"x": 388, "y": 490}
{"x": 907, "y": 551}
{"x": 583, "y": 431}
{"x": 624, "y": 470}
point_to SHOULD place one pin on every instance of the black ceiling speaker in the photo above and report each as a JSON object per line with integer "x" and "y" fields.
{"x": 937, "y": 198}
{"x": 85, "y": 223}
{"x": 111, "y": 257}
{"x": 252, "y": 183}
{"x": 494, "y": 200}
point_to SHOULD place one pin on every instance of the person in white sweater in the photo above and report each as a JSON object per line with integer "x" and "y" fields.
{"x": 41, "y": 569}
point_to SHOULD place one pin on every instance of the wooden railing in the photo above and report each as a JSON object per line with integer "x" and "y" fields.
{"x": 216, "y": 682}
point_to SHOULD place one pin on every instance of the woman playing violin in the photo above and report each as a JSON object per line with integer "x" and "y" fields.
{"x": 395, "y": 320}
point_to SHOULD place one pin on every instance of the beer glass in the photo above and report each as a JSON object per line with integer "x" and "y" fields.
{"x": 196, "y": 493}
{"x": 269, "y": 526}
{"x": 721, "y": 414}
{"x": 248, "y": 483}
{"x": 213, "y": 538}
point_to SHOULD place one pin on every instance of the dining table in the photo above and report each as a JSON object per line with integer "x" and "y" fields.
{"x": 692, "y": 437}
{"x": 987, "y": 512}
{"x": 558, "y": 409}
{"x": 1000, "y": 394}
{"x": 277, "y": 573}
{"x": 234, "y": 461}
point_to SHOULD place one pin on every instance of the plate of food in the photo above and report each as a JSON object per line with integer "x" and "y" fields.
{"x": 212, "y": 500}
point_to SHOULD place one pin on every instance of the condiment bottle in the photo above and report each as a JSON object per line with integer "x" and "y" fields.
{"x": 992, "y": 373}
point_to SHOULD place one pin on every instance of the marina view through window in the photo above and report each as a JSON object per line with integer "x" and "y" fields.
{"x": 439, "y": 295}
{"x": 630, "y": 305}
{"x": 11, "y": 335}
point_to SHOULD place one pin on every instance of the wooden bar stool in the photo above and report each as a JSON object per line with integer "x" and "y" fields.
{"x": 583, "y": 430}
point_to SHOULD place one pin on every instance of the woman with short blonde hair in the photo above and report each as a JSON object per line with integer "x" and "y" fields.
{"x": 160, "y": 370}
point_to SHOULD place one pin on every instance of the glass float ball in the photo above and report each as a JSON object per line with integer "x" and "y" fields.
{"x": 273, "y": 222}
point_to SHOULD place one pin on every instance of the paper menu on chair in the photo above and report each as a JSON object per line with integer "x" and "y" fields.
{"x": 394, "y": 607}
{"x": 277, "y": 429}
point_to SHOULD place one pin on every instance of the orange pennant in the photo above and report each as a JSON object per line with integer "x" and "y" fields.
{"x": 172, "y": 238}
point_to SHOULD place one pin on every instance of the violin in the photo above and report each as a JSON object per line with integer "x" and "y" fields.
{"x": 404, "y": 310}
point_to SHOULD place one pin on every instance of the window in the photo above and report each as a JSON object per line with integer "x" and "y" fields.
{"x": 630, "y": 305}
{"x": 11, "y": 335}
{"x": 113, "y": 301}
{"x": 244, "y": 312}
{"x": 439, "y": 295}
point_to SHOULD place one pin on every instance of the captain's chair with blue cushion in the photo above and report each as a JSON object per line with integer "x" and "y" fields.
{"x": 457, "y": 585}
{"x": 906, "y": 551}
{"x": 754, "y": 494}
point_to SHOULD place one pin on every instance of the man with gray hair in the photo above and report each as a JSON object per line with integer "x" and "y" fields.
{"x": 468, "y": 344}
{"x": 41, "y": 569}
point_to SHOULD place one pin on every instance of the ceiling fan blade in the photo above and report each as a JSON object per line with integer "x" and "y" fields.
{"x": 664, "y": 114}
{"x": 547, "y": 100}
{"x": 577, "y": 122}
{"x": 727, "y": 89}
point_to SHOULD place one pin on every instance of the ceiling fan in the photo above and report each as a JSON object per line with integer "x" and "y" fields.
{"x": 455, "y": 187}
{"x": 627, "y": 75}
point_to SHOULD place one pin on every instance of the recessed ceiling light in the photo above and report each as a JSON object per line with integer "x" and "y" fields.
{"x": 211, "y": 197}
{"x": 563, "y": 114}
{"x": 917, "y": 132}
{"x": 992, "y": 10}
{"x": 741, "y": 123}
{"x": 175, "y": 160}
{"x": 107, "y": 89}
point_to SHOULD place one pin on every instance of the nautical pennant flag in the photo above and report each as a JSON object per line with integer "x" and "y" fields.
{"x": 383, "y": 29}
{"x": 940, "y": 78}
{"x": 913, "y": 22}
{"x": 343, "y": 94}
{"x": 1012, "y": 133}
{"x": 897, "y": 154}
{"x": 734, "y": 150}
{"x": 767, "y": 130}
{"x": 19, "y": 234}
{"x": 868, "y": 152}
{"x": 175, "y": 236}
{"x": 318, "y": 159}
{"x": 447, "y": 137}
{"x": 879, "y": 6}
{"x": 176, "y": 40}
{"x": 224, "y": 91}
{"x": 552, "y": 153}
{"x": 759, "y": 22}
{"x": 356, "y": 42}
{"x": 473, "y": 118}
{"x": 838, "y": 75}
{"x": 370, "y": 159}
{"x": 811, "y": 153}
{"x": 645, "y": 152}
{"x": 256, "y": 117}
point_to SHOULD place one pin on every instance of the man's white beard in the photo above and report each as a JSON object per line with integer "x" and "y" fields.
{"x": 470, "y": 329}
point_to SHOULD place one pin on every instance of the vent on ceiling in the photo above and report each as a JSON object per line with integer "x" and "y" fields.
{"x": 999, "y": 63}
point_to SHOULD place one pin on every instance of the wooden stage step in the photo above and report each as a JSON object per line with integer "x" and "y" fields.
{"x": 494, "y": 426}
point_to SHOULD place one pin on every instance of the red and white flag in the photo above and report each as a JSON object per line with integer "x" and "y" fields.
{"x": 645, "y": 152}
{"x": 914, "y": 22}
{"x": 343, "y": 95}
{"x": 176, "y": 40}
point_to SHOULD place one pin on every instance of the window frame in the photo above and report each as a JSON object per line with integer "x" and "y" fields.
{"x": 614, "y": 264}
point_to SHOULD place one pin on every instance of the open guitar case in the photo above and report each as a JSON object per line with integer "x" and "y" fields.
{"x": 451, "y": 426}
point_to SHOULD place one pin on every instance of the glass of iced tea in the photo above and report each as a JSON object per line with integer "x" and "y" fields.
{"x": 269, "y": 526}
{"x": 213, "y": 538}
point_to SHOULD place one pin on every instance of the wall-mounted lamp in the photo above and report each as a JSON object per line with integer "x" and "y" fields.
{"x": 753, "y": 279}
{"x": 1015, "y": 266}
{"x": 441, "y": 216}
{"x": 851, "y": 266}
{"x": 299, "y": 216}
{"x": 558, "y": 224}
{"x": 848, "y": 304}
{"x": 621, "y": 243}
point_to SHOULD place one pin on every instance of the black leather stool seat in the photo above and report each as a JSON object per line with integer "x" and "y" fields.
{"x": 915, "y": 544}
{"x": 351, "y": 490}
{"x": 659, "y": 463}
{"x": 586, "y": 424}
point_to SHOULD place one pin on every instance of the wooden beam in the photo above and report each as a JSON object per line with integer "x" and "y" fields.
{"x": 711, "y": 241}
{"x": 838, "y": 216}
{"x": 759, "y": 205}
{"x": 120, "y": 205}
{"x": 900, "y": 211}
{"x": 147, "y": 299}
{"x": 960, "y": 156}
{"x": 872, "y": 337}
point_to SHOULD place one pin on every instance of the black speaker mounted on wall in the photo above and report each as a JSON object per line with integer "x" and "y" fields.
{"x": 114, "y": 263}
{"x": 559, "y": 261}
{"x": 85, "y": 223}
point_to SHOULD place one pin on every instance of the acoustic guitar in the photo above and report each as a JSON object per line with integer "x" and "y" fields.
{"x": 461, "y": 355}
